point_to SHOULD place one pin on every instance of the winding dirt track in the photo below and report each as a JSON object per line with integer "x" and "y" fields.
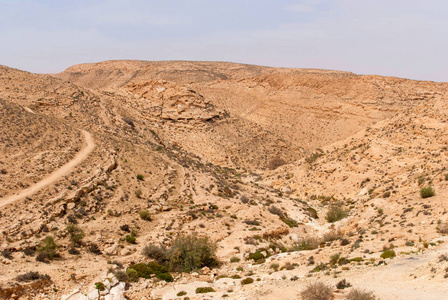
{"x": 57, "y": 174}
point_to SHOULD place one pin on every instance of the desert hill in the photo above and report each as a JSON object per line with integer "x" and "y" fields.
{"x": 298, "y": 175}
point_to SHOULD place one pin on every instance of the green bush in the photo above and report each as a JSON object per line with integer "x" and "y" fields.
{"x": 234, "y": 259}
{"x": 76, "y": 234}
{"x": 165, "y": 276}
{"x": 203, "y": 290}
{"x": 389, "y": 253}
{"x": 191, "y": 252}
{"x": 426, "y": 192}
{"x": 145, "y": 215}
{"x": 130, "y": 239}
{"x": 317, "y": 291}
{"x": 132, "y": 274}
{"x": 140, "y": 177}
{"x": 100, "y": 286}
{"x": 47, "y": 249}
{"x": 146, "y": 270}
{"x": 256, "y": 256}
{"x": 335, "y": 213}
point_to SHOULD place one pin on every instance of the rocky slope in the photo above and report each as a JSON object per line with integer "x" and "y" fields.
{"x": 256, "y": 158}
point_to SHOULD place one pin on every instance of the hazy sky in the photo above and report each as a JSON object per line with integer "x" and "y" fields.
{"x": 406, "y": 38}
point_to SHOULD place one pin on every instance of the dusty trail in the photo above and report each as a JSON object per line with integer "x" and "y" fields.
{"x": 394, "y": 281}
{"x": 56, "y": 175}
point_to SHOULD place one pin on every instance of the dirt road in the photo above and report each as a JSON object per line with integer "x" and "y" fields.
{"x": 57, "y": 174}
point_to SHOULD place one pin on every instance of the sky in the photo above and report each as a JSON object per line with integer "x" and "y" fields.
{"x": 404, "y": 38}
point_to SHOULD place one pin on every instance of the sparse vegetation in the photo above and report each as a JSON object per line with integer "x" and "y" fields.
{"x": 47, "y": 250}
{"x": 75, "y": 233}
{"x": 317, "y": 291}
{"x": 357, "y": 294}
{"x": 145, "y": 215}
{"x": 32, "y": 275}
{"x": 203, "y": 290}
{"x": 336, "y": 213}
{"x": 388, "y": 253}
{"x": 247, "y": 280}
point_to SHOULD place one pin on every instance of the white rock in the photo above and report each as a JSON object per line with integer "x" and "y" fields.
{"x": 93, "y": 295}
{"x": 75, "y": 295}
{"x": 112, "y": 250}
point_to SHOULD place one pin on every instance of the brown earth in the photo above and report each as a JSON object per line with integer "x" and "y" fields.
{"x": 254, "y": 157}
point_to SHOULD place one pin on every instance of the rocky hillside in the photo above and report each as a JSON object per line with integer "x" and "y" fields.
{"x": 285, "y": 177}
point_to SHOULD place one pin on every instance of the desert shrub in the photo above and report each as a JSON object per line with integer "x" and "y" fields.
{"x": 335, "y": 213}
{"x": 247, "y": 280}
{"x": 191, "y": 252}
{"x": 93, "y": 248}
{"x": 29, "y": 251}
{"x": 356, "y": 294}
{"x": 181, "y": 293}
{"x": 343, "y": 284}
{"x": 73, "y": 251}
{"x": 290, "y": 222}
{"x": 388, "y": 253}
{"x": 256, "y": 256}
{"x": 345, "y": 242}
{"x": 332, "y": 236}
{"x": 308, "y": 243}
{"x": 426, "y": 192}
{"x": 125, "y": 228}
{"x": 142, "y": 270}
{"x": 132, "y": 275}
{"x": 317, "y": 291}
{"x": 443, "y": 228}
{"x": 121, "y": 276}
{"x": 75, "y": 233}
{"x": 274, "y": 267}
{"x": 140, "y": 177}
{"x": 275, "y": 163}
{"x": 244, "y": 199}
{"x": 130, "y": 238}
{"x": 7, "y": 254}
{"x": 146, "y": 270}
{"x": 100, "y": 286}
{"x": 334, "y": 258}
{"x": 43, "y": 257}
{"x": 47, "y": 249}
{"x": 165, "y": 276}
{"x": 157, "y": 253}
{"x": 276, "y": 211}
{"x": 32, "y": 275}
{"x": 138, "y": 193}
{"x": 234, "y": 259}
{"x": 203, "y": 290}
{"x": 145, "y": 215}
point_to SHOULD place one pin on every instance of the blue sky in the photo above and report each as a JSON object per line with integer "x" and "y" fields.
{"x": 395, "y": 37}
